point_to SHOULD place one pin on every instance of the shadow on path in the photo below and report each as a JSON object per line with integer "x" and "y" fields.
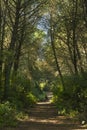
{"x": 44, "y": 116}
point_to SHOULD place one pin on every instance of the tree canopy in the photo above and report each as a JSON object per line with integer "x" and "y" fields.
{"x": 44, "y": 42}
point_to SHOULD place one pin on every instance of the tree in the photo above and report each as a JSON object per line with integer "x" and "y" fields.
{"x": 16, "y": 22}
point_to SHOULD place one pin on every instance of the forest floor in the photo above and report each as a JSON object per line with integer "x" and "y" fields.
{"x": 44, "y": 117}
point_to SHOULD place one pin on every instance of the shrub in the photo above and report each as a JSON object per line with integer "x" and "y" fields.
{"x": 74, "y": 96}
{"x": 39, "y": 93}
{"x": 30, "y": 99}
{"x": 7, "y": 115}
{"x": 42, "y": 97}
{"x": 21, "y": 95}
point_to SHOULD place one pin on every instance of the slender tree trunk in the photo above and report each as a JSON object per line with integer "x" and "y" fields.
{"x": 3, "y": 14}
{"x": 0, "y": 45}
{"x": 11, "y": 49}
{"x": 54, "y": 52}
{"x": 20, "y": 42}
{"x": 6, "y": 82}
{"x": 69, "y": 46}
{"x": 18, "y": 51}
{"x": 84, "y": 4}
{"x": 74, "y": 52}
{"x": 74, "y": 36}
{"x": 80, "y": 59}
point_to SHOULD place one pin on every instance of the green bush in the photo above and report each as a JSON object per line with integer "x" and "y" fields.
{"x": 42, "y": 97}
{"x": 74, "y": 96}
{"x": 30, "y": 99}
{"x": 21, "y": 94}
{"x": 7, "y": 115}
{"x": 24, "y": 100}
{"x": 39, "y": 93}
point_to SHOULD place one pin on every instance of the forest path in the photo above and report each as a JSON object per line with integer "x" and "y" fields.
{"x": 44, "y": 117}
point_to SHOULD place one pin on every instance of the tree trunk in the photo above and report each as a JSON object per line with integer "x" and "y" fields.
{"x": 11, "y": 49}
{"x": 3, "y": 14}
{"x": 74, "y": 36}
{"x": 79, "y": 58}
{"x": 54, "y": 52}
{"x": 0, "y": 45}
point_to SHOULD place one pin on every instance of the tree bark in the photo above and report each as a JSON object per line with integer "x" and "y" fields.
{"x": 11, "y": 49}
{"x": 3, "y": 14}
{"x": 74, "y": 36}
{"x": 54, "y": 51}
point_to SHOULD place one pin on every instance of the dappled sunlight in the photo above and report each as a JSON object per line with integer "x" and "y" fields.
{"x": 55, "y": 120}
{"x": 57, "y": 123}
{"x": 43, "y": 103}
{"x": 46, "y": 121}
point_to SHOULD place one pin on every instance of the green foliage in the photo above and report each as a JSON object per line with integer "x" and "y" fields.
{"x": 21, "y": 115}
{"x": 28, "y": 99}
{"x": 23, "y": 100}
{"x": 25, "y": 93}
{"x": 38, "y": 92}
{"x": 20, "y": 94}
{"x": 7, "y": 115}
{"x": 10, "y": 116}
{"x": 73, "y": 97}
{"x": 42, "y": 97}
{"x": 22, "y": 83}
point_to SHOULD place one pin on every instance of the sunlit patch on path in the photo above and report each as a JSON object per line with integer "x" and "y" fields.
{"x": 44, "y": 116}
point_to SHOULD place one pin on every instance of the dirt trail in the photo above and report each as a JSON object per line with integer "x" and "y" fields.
{"x": 44, "y": 117}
